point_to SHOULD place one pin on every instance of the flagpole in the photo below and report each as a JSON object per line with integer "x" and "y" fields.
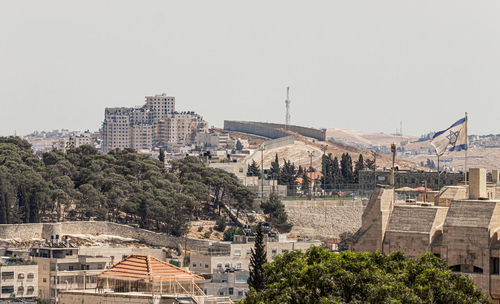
{"x": 466, "y": 147}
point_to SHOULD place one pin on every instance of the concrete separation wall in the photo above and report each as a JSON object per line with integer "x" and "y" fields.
{"x": 272, "y": 130}
{"x": 46, "y": 230}
{"x": 324, "y": 219}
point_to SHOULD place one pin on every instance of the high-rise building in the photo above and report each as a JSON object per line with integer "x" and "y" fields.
{"x": 156, "y": 124}
{"x": 116, "y": 129}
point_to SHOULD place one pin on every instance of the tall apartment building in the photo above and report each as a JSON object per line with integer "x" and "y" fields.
{"x": 181, "y": 128}
{"x": 156, "y": 124}
{"x": 116, "y": 129}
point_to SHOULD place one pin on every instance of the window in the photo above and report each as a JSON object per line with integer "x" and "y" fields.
{"x": 20, "y": 276}
{"x": 206, "y": 265}
{"x": 231, "y": 291}
{"x": 477, "y": 270}
{"x": 71, "y": 267}
{"x": 30, "y": 290}
{"x": 31, "y": 276}
{"x": 44, "y": 280}
{"x": 7, "y": 289}
{"x": 20, "y": 290}
{"x": 238, "y": 266}
{"x": 274, "y": 251}
{"x": 219, "y": 265}
{"x": 237, "y": 252}
{"x": 226, "y": 265}
{"x": 8, "y": 275}
{"x": 240, "y": 293}
{"x": 494, "y": 262}
{"x": 99, "y": 266}
{"x": 456, "y": 268}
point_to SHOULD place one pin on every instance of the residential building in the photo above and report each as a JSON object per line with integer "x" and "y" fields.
{"x": 143, "y": 279}
{"x": 236, "y": 255}
{"x": 231, "y": 284}
{"x": 19, "y": 279}
{"x": 63, "y": 268}
{"x": 156, "y": 124}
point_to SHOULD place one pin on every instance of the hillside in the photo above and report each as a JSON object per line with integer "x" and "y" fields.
{"x": 298, "y": 153}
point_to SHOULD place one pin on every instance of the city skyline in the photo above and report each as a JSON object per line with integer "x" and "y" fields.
{"x": 362, "y": 66}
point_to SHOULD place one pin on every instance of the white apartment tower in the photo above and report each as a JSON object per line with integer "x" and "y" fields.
{"x": 154, "y": 124}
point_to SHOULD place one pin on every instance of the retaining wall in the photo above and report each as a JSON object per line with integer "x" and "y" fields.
{"x": 46, "y": 230}
{"x": 324, "y": 219}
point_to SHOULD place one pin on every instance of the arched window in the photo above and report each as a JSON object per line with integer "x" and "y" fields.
{"x": 20, "y": 276}
{"x": 31, "y": 276}
{"x": 20, "y": 290}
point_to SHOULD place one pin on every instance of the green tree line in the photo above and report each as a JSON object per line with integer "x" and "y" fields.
{"x": 121, "y": 186}
{"x": 321, "y": 276}
{"x": 335, "y": 171}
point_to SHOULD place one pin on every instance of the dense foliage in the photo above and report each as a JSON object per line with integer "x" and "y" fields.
{"x": 121, "y": 186}
{"x": 320, "y": 276}
{"x": 277, "y": 214}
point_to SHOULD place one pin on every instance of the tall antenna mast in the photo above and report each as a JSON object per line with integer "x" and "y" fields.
{"x": 287, "y": 105}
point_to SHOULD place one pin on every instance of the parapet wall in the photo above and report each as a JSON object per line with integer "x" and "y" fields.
{"x": 46, "y": 230}
{"x": 324, "y": 218}
{"x": 272, "y": 130}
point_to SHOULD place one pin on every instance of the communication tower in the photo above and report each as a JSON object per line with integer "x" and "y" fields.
{"x": 287, "y": 106}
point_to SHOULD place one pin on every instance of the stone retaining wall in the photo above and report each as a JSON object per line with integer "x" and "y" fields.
{"x": 324, "y": 219}
{"x": 46, "y": 230}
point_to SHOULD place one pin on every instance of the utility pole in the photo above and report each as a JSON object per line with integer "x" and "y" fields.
{"x": 324, "y": 147}
{"x": 261, "y": 149}
{"x": 311, "y": 154}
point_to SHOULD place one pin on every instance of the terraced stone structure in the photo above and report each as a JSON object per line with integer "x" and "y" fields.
{"x": 462, "y": 227}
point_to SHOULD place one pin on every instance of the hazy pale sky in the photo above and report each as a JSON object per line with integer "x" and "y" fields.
{"x": 361, "y": 65}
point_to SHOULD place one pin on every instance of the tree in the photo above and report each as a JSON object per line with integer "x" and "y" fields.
{"x": 239, "y": 145}
{"x": 220, "y": 224}
{"x": 277, "y": 214}
{"x": 275, "y": 168}
{"x": 320, "y": 276}
{"x": 346, "y": 168}
{"x": 360, "y": 165}
{"x": 345, "y": 238}
{"x": 161, "y": 156}
{"x": 370, "y": 164}
{"x": 257, "y": 277}
{"x": 253, "y": 169}
{"x": 288, "y": 174}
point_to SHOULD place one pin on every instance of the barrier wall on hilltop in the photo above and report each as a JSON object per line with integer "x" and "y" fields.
{"x": 272, "y": 130}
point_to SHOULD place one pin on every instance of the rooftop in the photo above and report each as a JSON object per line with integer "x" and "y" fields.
{"x": 148, "y": 269}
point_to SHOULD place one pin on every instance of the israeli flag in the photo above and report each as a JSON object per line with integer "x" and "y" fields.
{"x": 452, "y": 139}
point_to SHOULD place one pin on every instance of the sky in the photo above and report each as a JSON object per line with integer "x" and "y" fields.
{"x": 362, "y": 65}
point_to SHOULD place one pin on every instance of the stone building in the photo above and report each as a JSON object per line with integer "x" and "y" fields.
{"x": 19, "y": 280}
{"x": 461, "y": 227}
{"x": 236, "y": 255}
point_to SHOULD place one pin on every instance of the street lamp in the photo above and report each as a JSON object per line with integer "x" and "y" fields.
{"x": 311, "y": 154}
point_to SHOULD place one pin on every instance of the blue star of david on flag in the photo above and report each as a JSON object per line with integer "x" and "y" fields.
{"x": 452, "y": 139}
{"x": 453, "y": 136}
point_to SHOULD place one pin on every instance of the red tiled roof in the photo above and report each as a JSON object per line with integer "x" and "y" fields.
{"x": 148, "y": 268}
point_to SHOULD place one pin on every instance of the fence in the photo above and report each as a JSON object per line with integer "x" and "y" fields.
{"x": 328, "y": 191}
